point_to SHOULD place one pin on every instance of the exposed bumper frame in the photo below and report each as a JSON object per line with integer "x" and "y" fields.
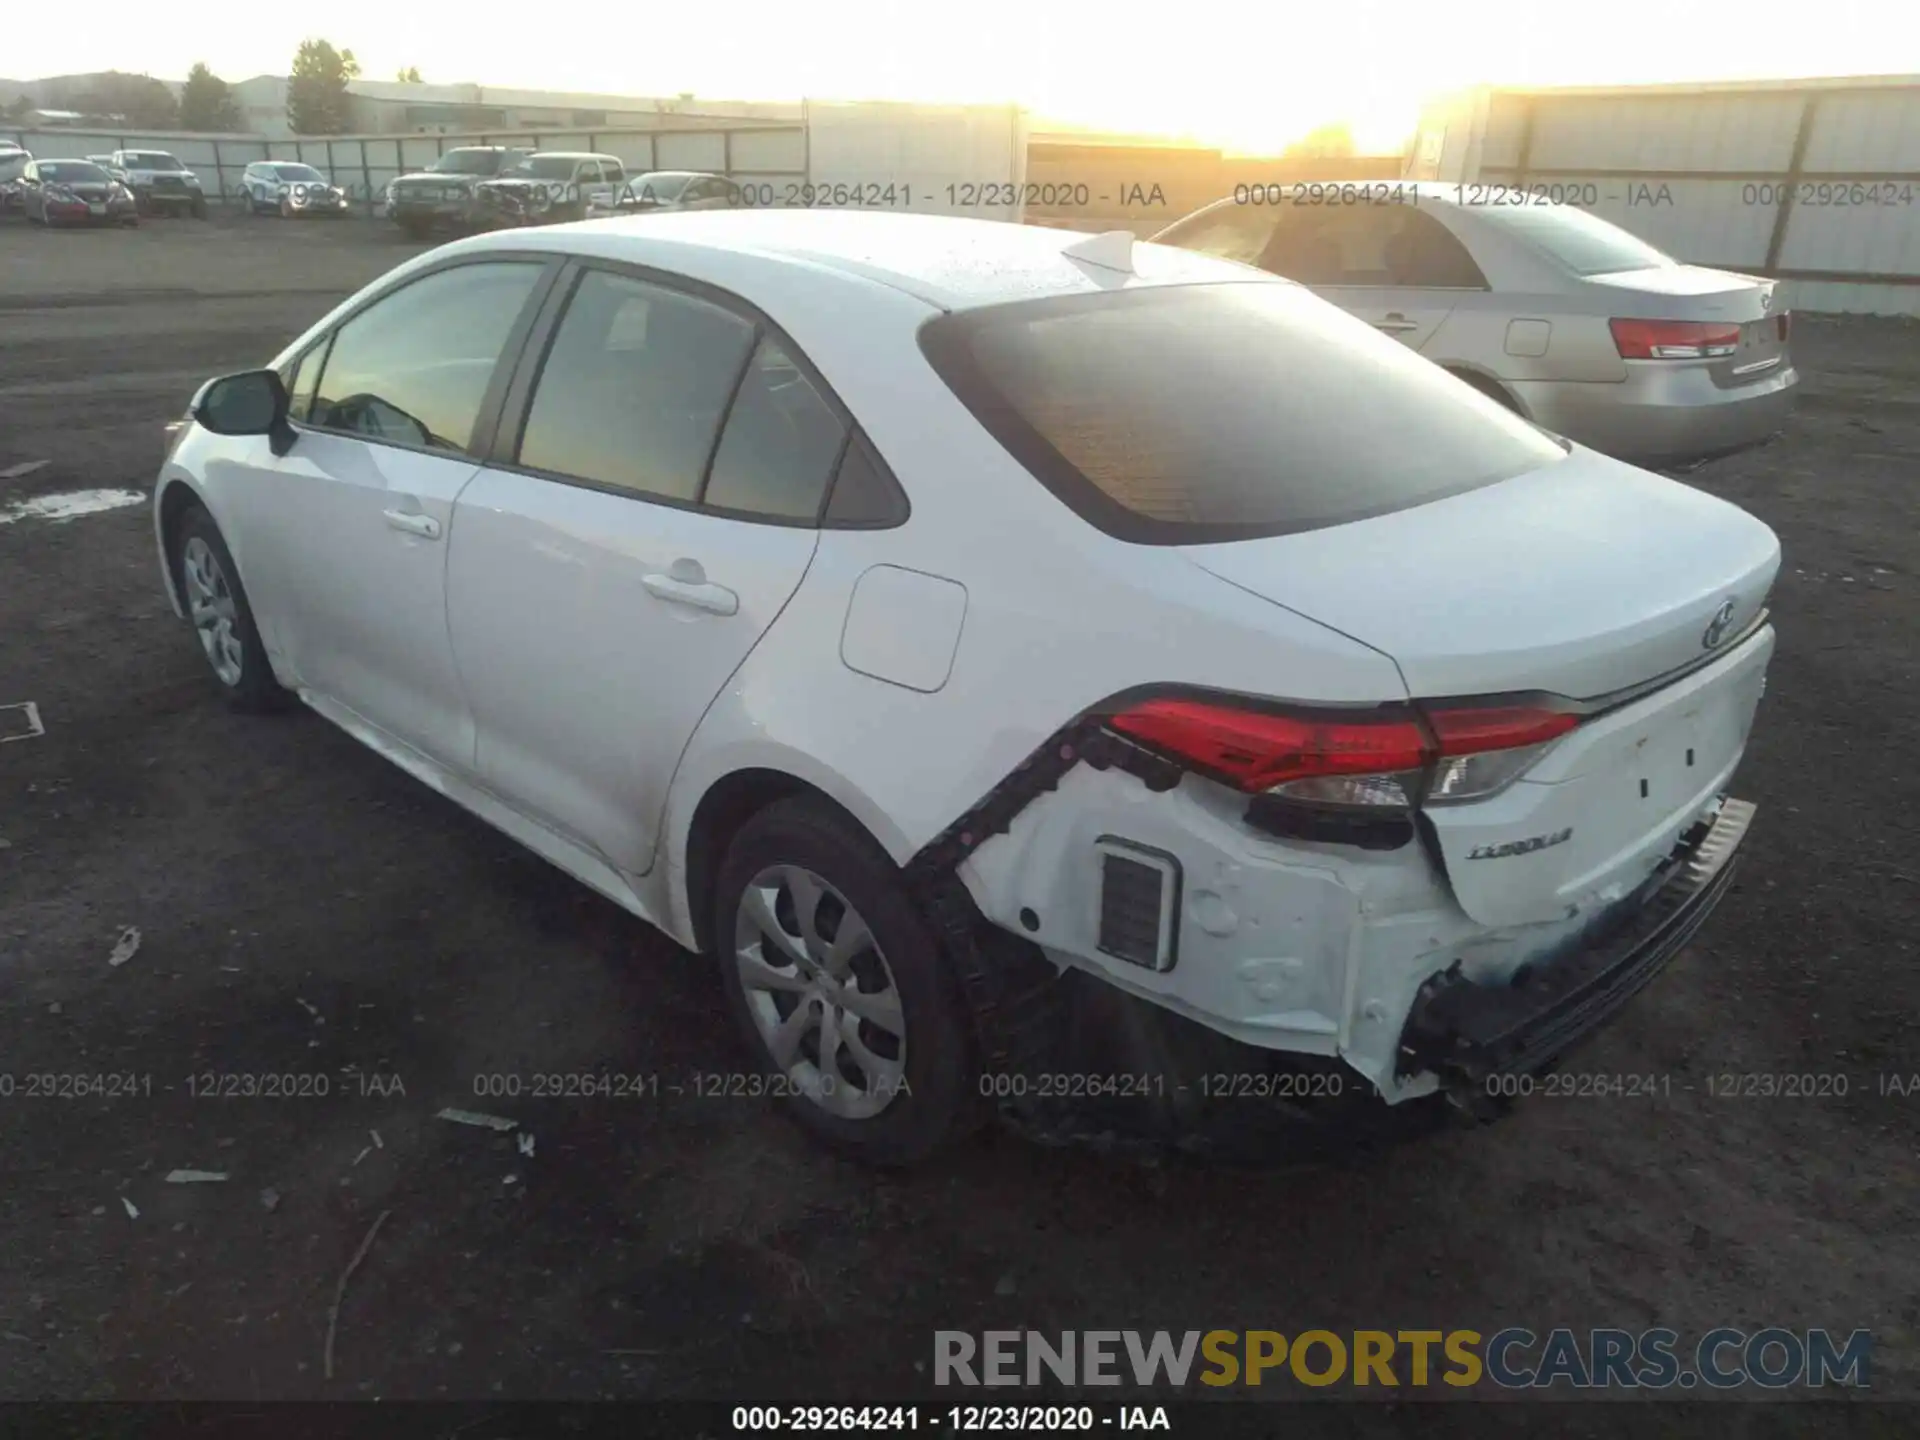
{"x": 1466, "y": 1032}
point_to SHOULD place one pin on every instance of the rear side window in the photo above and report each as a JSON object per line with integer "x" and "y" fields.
{"x": 1370, "y": 245}
{"x": 414, "y": 366}
{"x": 1585, "y": 244}
{"x": 1230, "y": 232}
{"x": 1199, "y": 413}
{"x": 634, "y": 386}
{"x": 780, "y": 445}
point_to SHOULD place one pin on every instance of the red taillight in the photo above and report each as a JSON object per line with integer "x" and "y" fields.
{"x": 1257, "y": 751}
{"x": 1674, "y": 339}
{"x": 1469, "y": 731}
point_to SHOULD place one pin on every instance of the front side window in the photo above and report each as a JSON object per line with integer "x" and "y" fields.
{"x": 302, "y": 379}
{"x": 413, "y": 368}
{"x": 782, "y": 439}
{"x": 634, "y": 387}
{"x": 1200, "y": 413}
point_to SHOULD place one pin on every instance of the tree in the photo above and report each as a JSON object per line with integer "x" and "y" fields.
{"x": 206, "y": 102}
{"x": 409, "y": 76}
{"x": 317, "y": 99}
{"x": 1331, "y": 141}
{"x": 139, "y": 101}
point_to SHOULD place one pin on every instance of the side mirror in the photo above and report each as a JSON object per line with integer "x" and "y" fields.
{"x": 253, "y": 402}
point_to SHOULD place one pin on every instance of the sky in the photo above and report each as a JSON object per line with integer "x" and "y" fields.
{"x": 1246, "y": 76}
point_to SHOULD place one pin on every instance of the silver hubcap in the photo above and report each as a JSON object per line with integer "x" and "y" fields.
{"x": 820, "y": 992}
{"x": 210, "y": 603}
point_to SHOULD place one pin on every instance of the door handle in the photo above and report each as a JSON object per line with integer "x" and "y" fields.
{"x": 422, "y": 525}
{"x": 1394, "y": 322}
{"x": 699, "y": 595}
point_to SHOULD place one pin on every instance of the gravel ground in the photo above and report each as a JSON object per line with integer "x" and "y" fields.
{"x": 305, "y": 908}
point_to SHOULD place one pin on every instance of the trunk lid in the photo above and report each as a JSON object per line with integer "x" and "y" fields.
{"x": 1581, "y": 579}
{"x": 1697, "y": 292}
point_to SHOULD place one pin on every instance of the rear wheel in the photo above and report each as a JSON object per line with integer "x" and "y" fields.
{"x": 1492, "y": 389}
{"x": 222, "y": 620}
{"x": 852, "y": 1013}
{"x": 416, "y": 229}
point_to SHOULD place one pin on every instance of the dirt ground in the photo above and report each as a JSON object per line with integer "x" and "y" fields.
{"x": 306, "y": 908}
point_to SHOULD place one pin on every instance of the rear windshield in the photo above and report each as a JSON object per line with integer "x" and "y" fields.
{"x": 1585, "y": 244}
{"x": 1198, "y": 413}
{"x": 153, "y": 160}
{"x": 468, "y": 162}
{"x": 545, "y": 167}
{"x": 72, "y": 171}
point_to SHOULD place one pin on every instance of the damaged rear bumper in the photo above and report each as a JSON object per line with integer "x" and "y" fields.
{"x": 1466, "y": 1032}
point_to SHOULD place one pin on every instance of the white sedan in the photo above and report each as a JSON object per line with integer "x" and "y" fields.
{"x": 986, "y": 641}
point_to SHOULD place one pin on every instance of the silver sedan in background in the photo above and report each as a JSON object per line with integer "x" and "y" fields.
{"x": 1554, "y": 312}
{"x": 659, "y": 190}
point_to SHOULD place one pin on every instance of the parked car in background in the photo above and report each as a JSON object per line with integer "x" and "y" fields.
{"x": 159, "y": 182}
{"x": 553, "y": 186}
{"x": 442, "y": 196}
{"x": 14, "y": 160}
{"x": 905, "y": 610}
{"x": 1554, "y": 312}
{"x": 290, "y": 188}
{"x": 670, "y": 190}
{"x": 75, "y": 192}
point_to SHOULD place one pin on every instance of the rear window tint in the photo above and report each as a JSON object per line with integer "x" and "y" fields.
{"x": 1198, "y": 413}
{"x": 1585, "y": 244}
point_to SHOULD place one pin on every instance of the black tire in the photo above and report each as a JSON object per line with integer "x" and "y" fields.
{"x": 417, "y": 229}
{"x": 255, "y": 690}
{"x": 200, "y": 208}
{"x": 938, "y": 1101}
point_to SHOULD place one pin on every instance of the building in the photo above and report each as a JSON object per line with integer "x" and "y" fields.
{"x": 396, "y": 107}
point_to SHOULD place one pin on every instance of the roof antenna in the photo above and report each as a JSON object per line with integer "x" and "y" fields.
{"x": 1110, "y": 250}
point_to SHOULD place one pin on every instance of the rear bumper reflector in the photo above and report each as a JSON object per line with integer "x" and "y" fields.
{"x": 1139, "y": 903}
{"x": 1467, "y": 1032}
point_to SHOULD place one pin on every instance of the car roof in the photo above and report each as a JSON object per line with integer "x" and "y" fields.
{"x": 949, "y": 261}
{"x": 570, "y": 155}
{"x": 677, "y": 175}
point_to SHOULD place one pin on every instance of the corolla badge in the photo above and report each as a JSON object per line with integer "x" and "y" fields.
{"x": 1718, "y": 626}
{"x": 1520, "y": 847}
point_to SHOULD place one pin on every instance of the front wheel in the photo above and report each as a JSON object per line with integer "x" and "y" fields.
{"x": 851, "y": 1012}
{"x": 217, "y": 604}
{"x": 199, "y": 207}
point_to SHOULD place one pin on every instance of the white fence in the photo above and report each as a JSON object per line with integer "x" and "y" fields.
{"x": 774, "y": 157}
